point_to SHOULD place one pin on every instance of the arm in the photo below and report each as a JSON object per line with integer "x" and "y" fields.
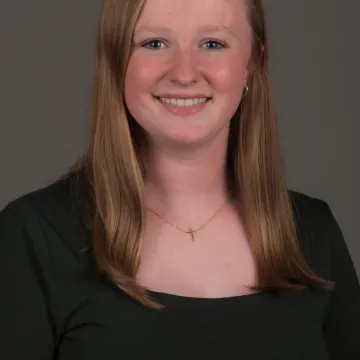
{"x": 342, "y": 326}
{"x": 25, "y": 321}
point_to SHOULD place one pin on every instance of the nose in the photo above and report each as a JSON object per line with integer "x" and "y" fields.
{"x": 184, "y": 68}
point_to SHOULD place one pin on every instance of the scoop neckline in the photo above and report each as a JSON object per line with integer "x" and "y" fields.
{"x": 183, "y": 298}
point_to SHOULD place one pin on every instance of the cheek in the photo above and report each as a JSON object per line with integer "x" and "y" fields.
{"x": 227, "y": 75}
{"x": 142, "y": 73}
{"x": 141, "y": 76}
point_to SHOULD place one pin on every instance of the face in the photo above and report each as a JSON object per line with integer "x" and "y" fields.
{"x": 186, "y": 74}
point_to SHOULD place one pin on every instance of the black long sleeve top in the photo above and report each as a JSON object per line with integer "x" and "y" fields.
{"x": 51, "y": 307}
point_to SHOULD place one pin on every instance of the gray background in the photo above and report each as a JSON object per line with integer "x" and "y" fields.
{"x": 46, "y": 68}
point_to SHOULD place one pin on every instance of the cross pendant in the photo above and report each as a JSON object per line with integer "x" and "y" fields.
{"x": 191, "y": 232}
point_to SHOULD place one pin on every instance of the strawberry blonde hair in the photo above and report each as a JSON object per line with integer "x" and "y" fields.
{"x": 109, "y": 179}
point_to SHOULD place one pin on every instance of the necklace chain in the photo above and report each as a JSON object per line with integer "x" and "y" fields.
{"x": 190, "y": 231}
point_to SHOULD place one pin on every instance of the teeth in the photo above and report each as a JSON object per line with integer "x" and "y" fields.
{"x": 182, "y": 102}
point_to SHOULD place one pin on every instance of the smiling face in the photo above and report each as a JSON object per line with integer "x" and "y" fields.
{"x": 186, "y": 73}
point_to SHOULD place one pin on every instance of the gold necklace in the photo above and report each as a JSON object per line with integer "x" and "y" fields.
{"x": 190, "y": 231}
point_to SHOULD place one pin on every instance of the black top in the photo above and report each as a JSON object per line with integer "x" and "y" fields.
{"x": 52, "y": 308}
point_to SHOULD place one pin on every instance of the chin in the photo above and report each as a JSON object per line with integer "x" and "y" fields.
{"x": 187, "y": 139}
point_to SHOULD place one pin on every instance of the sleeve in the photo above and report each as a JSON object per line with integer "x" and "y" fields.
{"x": 342, "y": 325}
{"x": 25, "y": 322}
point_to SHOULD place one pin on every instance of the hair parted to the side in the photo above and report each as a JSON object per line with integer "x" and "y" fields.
{"x": 109, "y": 179}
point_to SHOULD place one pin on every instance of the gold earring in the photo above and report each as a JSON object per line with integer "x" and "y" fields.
{"x": 246, "y": 91}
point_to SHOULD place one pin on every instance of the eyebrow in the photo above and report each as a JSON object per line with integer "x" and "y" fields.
{"x": 202, "y": 29}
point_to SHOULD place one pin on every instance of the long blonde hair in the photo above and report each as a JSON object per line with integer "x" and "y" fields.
{"x": 110, "y": 176}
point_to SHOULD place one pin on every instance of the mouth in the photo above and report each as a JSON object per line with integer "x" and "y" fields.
{"x": 183, "y": 107}
{"x": 183, "y": 102}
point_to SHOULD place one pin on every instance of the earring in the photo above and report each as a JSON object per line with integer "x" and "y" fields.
{"x": 246, "y": 90}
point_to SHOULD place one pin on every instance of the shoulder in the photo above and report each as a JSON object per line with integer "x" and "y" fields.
{"x": 318, "y": 231}
{"x": 46, "y": 203}
{"x": 51, "y": 198}
{"x": 304, "y": 204}
{"x": 47, "y": 212}
{"x": 312, "y": 215}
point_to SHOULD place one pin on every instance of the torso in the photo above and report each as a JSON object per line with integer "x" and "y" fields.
{"x": 218, "y": 263}
{"x": 81, "y": 316}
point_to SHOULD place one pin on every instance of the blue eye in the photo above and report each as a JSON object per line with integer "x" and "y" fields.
{"x": 157, "y": 44}
{"x": 214, "y": 45}
{"x": 153, "y": 44}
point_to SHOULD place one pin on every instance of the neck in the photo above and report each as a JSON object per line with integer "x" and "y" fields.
{"x": 182, "y": 179}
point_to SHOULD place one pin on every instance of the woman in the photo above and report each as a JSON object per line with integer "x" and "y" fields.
{"x": 175, "y": 237}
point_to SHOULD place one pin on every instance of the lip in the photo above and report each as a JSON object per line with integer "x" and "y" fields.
{"x": 184, "y": 111}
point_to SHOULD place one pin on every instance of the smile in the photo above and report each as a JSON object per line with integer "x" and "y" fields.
{"x": 183, "y": 102}
{"x": 183, "y": 107}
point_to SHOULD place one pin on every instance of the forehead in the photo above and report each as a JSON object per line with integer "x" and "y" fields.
{"x": 190, "y": 14}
